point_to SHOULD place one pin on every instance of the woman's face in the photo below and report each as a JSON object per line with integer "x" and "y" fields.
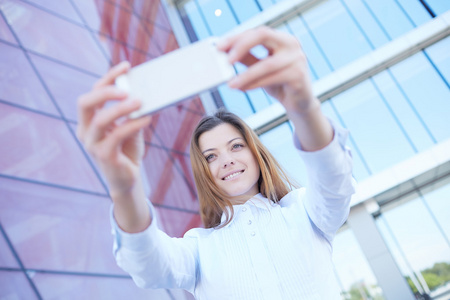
{"x": 232, "y": 164}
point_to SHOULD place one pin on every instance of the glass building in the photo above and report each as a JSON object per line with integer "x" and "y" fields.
{"x": 381, "y": 68}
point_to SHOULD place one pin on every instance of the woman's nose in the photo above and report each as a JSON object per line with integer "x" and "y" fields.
{"x": 228, "y": 163}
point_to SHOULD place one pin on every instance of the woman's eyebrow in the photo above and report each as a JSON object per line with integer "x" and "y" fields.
{"x": 229, "y": 142}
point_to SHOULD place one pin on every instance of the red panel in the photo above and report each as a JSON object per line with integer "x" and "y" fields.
{"x": 42, "y": 148}
{"x": 56, "y": 229}
{"x": 14, "y": 285}
{"x": 119, "y": 51}
{"x": 175, "y": 125}
{"x": 67, "y": 42}
{"x": 153, "y": 12}
{"x": 20, "y": 85}
{"x": 168, "y": 185}
{"x": 176, "y": 223}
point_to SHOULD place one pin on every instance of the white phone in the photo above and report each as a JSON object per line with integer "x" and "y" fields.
{"x": 176, "y": 76}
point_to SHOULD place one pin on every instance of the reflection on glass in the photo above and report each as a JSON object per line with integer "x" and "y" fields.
{"x": 440, "y": 56}
{"x": 328, "y": 22}
{"x": 217, "y": 25}
{"x": 416, "y": 229}
{"x": 318, "y": 63}
{"x": 408, "y": 118}
{"x": 438, "y": 6}
{"x": 391, "y": 17}
{"x": 373, "y": 126}
{"x": 360, "y": 169}
{"x": 279, "y": 141}
{"x": 352, "y": 269}
{"x": 419, "y": 81}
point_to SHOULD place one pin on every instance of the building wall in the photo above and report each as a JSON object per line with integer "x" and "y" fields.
{"x": 55, "y": 240}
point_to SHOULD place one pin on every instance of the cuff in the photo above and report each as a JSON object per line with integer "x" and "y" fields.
{"x": 134, "y": 241}
{"x": 330, "y": 157}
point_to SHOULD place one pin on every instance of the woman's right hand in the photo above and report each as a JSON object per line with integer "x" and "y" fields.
{"x": 115, "y": 142}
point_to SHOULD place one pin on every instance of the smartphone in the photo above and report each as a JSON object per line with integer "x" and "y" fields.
{"x": 176, "y": 76}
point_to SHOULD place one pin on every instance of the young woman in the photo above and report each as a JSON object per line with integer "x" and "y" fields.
{"x": 263, "y": 239}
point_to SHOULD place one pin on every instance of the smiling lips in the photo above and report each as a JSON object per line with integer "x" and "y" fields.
{"x": 232, "y": 175}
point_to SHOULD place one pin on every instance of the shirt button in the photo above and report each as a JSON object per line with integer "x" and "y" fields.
{"x": 252, "y": 233}
{"x": 249, "y": 222}
{"x": 244, "y": 209}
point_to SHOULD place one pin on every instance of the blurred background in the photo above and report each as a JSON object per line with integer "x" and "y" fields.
{"x": 380, "y": 67}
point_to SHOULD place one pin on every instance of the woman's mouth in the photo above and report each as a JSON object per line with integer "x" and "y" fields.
{"x": 232, "y": 175}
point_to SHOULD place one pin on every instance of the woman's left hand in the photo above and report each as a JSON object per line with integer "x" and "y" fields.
{"x": 283, "y": 73}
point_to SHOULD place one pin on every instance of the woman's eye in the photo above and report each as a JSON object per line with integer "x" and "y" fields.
{"x": 237, "y": 146}
{"x": 209, "y": 157}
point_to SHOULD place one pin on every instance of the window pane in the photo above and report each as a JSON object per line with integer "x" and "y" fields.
{"x": 336, "y": 32}
{"x": 280, "y": 143}
{"x": 427, "y": 92}
{"x": 196, "y": 20}
{"x": 318, "y": 64}
{"x": 244, "y": 9}
{"x": 438, "y": 6}
{"x": 440, "y": 56}
{"x": 391, "y": 17}
{"x": 360, "y": 170}
{"x": 416, "y": 11}
{"x": 368, "y": 22}
{"x": 403, "y": 111}
{"x": 235, "y": 101}
{"x": 57, "y": 286}
{"x": 373, "y": 127}
{"x": 419, "y": 240}
{"x": 14, "y": 285}
{"x": 353, "y": 271}
{"x": 217, "y": 24}
{"x": 438, "y": 199}
{"x": 7, "y": 258}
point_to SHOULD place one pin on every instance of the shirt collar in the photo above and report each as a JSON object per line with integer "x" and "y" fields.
{"x": 258, "y": 201}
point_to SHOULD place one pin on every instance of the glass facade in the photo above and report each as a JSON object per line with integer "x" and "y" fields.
{"x": 55, "y": 238}
{"x": 393, "y": 116}
{"x": 416, "y": 229}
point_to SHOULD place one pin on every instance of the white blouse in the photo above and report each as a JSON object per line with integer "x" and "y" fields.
{"x": 268, "y": 251}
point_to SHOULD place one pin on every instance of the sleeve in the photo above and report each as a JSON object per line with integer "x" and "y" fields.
{"x": 155, "y": 260}
{"x": 330, "y": 183}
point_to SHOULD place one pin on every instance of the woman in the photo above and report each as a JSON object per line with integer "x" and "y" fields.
{"x": 261, "y": 240}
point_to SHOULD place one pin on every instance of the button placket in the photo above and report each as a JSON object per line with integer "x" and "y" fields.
{"x": 259, "y": 256}
{"x": 249, "y": 222}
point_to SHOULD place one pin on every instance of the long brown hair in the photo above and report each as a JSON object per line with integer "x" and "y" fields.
{"x": 273, "y": 182}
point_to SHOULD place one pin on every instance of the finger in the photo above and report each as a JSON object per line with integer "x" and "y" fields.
{"x": 112, "y": 74}
{"x": 261, "y": 69}
{"x": 238, "y": 46}
{"x": 130, "y": 128}
{"x": 106, "y": 119}
{"x": 88, "y": 104}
